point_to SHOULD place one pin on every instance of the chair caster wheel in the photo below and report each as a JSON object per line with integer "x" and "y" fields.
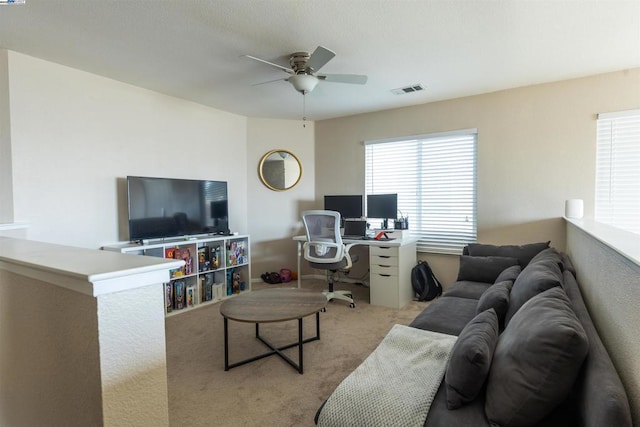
{"x": 352, "y": 305}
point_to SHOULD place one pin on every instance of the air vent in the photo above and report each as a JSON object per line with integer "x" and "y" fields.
{"x": 408, "y": 89}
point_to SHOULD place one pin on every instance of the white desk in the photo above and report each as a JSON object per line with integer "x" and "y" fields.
{"x": 390, "y": 264}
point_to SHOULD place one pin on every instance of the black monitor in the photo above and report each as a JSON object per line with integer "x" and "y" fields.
{"x": 348, "y": 206}
{"x": 382, "y": 206}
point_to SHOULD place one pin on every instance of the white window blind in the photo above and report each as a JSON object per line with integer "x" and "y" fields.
{"x": 618, "y": 170}
{"x": 435, "y": 179}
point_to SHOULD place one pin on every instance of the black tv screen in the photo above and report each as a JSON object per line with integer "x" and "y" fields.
{"x": 348, "y": 206}
{"x": 384, "y": 206}
{"x": 167, "y": 207}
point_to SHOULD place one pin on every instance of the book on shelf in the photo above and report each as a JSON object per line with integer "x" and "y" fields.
{"x": 236, "y": 252}
{"x": 191, "y": 296}
{"x": 168, "y": 297}
{"x": 204, "y": 261}
{"x": 206, "y": 283}
{"x": 183, "y": 254}
{"x": 169, "y": 252}
{"x": 178, "y": 294}
{"x": 215, "y": 257}
{"x": 219, "y": 291}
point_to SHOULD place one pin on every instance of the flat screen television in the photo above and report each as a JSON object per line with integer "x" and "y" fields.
{"x": 167, "y": 207}
{"x": 349, "y": 206}
{"x": 382, "y": 206}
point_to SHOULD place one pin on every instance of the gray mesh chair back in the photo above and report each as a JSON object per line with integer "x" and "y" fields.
{"x": 324, "y": 248}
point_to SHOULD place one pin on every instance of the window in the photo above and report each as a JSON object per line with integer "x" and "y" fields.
{"x": 618, "y": 170}
{"x": 435, "y": 179}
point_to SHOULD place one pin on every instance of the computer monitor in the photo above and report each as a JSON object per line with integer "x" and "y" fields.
{"x": 349, "y": 206}
{"x": 382, "y": 206}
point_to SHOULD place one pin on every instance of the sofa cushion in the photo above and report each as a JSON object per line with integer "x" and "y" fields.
{"x": 446, "y": 315}
{"x": 509, "y": 273}
{"x": 483, "y": 268}
{"x": 524, "y": 253}
{"x": 550, "y": 255}
{"x": 467, "y": 289}
{"x": 470, "y": 359}
{"x": 470, "y": 415}
{"x": 496, "y": 298}
{"x": 540, "y": 275}
{"x": 536, "y": 361}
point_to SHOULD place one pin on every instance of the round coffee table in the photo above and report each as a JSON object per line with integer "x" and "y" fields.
{"x": 273, "y": 305}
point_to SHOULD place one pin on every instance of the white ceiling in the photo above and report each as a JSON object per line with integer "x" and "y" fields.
{"x": 193, "y": 49}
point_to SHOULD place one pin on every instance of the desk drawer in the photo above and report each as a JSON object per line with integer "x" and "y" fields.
{"x": 384, "y": 291}
{"x": 384, "y": 250}
{"x": 383, "y": 260}
{"x": 385, "y": 270}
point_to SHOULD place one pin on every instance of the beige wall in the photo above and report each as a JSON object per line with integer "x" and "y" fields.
{"x": 536, "y": 148}
{"x": 49, "y": 362}
{"x": 610, "y": 285}
{"x": 274, "y": 216}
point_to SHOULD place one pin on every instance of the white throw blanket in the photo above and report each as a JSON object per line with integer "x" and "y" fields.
{"x": 395, "y": 385}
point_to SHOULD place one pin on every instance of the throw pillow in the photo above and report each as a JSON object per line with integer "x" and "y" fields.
{"x": 483, "y": 269}
{"x": 549, "y": 254}
{"x": 524, "y": 253}
{"x": 536, "y": 361}
{"x": 470, "y": 359}
{"x": 497, "y": 298}
{"x": 537, "y": 277}
{"x": 509, "y": 273}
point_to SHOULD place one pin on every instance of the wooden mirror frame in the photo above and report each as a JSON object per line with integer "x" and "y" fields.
{"x": 277, "y": 180}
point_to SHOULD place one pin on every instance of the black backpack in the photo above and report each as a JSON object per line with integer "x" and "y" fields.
{"x": 424, "y": 282}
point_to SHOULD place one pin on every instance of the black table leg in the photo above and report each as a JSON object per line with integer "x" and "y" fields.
{"x": 298, "y": 366}
{"x": 300, "y": 342}
{"x": 226, "y": 345}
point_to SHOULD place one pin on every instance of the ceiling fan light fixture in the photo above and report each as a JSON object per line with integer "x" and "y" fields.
{"x": 303, "y": 83}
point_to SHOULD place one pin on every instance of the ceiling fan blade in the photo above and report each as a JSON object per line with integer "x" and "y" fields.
{"x": 344, "y": 78}
{"x": 319, "y": 58}
{"x": 268, "y": 81}
{"x": 285, "y": 69}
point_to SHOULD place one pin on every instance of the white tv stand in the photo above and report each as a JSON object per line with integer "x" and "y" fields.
{"x": 216, "y": 267}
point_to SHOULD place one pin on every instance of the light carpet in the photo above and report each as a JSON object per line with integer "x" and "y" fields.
{"x": 269, "y": 392}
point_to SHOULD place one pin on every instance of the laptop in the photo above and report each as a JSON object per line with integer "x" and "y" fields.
{"x": 355, "y": 229}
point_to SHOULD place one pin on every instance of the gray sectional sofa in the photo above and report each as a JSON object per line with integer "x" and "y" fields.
{"x": 527, "y": 352}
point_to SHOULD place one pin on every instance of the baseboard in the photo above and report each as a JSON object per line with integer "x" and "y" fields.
{"x": 337, "y": 279}
{"x": 322, "y": 277}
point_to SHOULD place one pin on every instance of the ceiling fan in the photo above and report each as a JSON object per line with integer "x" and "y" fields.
{"x": 304, "y": 70}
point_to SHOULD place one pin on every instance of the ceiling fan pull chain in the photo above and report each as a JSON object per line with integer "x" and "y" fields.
{"x": 304, "y": 110}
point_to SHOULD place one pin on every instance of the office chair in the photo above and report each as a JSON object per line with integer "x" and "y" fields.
{"x": 324, "y": 249}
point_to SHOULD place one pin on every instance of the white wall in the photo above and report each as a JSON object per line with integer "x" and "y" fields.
{"x": 536, "y": 148}
{"x": 75, "y": 136}
{"x": 274, "y": 216}
{"x": 6, "y": 180}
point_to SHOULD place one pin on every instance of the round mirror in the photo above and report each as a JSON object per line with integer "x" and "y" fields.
{"x": 280, "y": 170}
